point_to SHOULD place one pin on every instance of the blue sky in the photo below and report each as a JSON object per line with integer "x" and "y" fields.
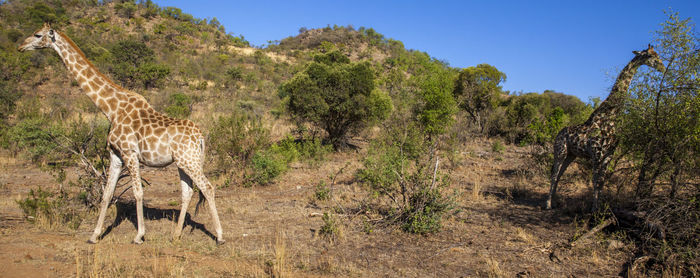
{"x": 574, "y": 47}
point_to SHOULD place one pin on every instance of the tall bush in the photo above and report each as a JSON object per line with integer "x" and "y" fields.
{"x": 336, "y": 95}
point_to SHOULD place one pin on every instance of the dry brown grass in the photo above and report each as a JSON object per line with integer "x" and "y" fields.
{"x": 494, "y": 269}
{"x": 269, "y": 232}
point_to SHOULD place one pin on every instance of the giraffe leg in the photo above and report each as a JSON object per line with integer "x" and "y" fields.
{"x": 562, "y": 159}
{"x": 207, "y": 190}
{"x": 115, "y": 167}
{"x": 557, "y": 171}
{"x": 186, "y": 184}
{"x": 132, "y": 163}
{"x": 599, "y": 176}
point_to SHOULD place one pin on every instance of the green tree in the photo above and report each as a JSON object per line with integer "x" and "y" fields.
{"x": 660, "y": 124}
{"x": 477, "y": 89}
{"x": 436, "y": 106}
{"x": 134, "y": 65}
{"x": 660, "y": 132}
{"x": 336, "y": 95}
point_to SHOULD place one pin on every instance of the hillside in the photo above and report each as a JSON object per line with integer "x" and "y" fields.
{"x": 440, "y": 173}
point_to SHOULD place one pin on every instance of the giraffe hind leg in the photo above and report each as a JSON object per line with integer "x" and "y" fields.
{"x": 206, "y": 189}
{"x": 562, "y": 159}
{"x": 132, "y": 163}
{"x": 186, "y": 184}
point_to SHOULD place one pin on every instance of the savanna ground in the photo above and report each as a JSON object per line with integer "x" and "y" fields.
{"x": 498, "y": 228}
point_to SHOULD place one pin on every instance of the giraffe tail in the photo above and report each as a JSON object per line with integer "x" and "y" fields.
{"x": 202, "y": 198}
{"x": 200, "y": 202}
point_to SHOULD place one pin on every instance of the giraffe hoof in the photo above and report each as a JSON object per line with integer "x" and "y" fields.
{"x": 90, "y": 241}
{"x": 137, "y": 242}
{"x": 220, "y": 242}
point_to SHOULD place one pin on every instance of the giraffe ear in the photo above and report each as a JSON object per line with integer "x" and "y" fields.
{"x": 636, "y": 52}
{"x": 52, "y": 35}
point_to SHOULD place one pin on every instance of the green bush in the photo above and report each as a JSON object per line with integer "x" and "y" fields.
{"x": 31, "y": 135}
{"x": 322, "y": 191}
{"x": 425, "y": 211}
{"x": 477, "y": 89}
{"x": 266, "y": 166}
{"x": 497, "y": 146}
{"x": 134, "y": 65}
{"x": 152, "y": 75}
{"x": 180, "y": 106}
{"x": 330, "y": 228}
{"x": 401, "y": 167}
{"x": 46, "y": 208}
{"x": 235, "y": 138}
{"x": 336, "y": 95}
{"x": 534, "y": 118}
{"x": 436, "y": 106}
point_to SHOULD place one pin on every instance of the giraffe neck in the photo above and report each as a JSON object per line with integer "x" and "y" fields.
{"x": 611, "y": 105}
{"x": 102, "y": 91}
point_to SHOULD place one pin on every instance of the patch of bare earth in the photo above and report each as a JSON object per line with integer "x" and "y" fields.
{"x": 497, "y": 230}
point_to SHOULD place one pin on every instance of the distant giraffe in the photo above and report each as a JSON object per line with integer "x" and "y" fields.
{"x": 595, "y": 139}
{"x": 137, "y": 134}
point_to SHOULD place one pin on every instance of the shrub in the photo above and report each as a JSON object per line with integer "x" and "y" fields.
{"x": 336, "y": 95}
{"x": 180, "y": 106}
{"x": 403, "y": 168}
{"x": 266, "y": 166}
{"x": 30, "y": 135}
{"x": 134, "y": 65}
{"x": 322, "y": 191}
{"x": 477, "y": 89}
{"x": 426, "y": 208}
{"x": 235, "y": 138}
{"x": 53, "y": 210}
{"x": 330, "y": 228}
{"x": 497, "y": 146}
{"x": 436, "y": 106}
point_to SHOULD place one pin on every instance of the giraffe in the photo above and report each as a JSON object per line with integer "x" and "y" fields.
{"x": 595, "y": 139}
{"x": 137, "y": 134}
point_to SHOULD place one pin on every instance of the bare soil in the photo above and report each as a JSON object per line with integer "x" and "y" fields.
{"x": 274, "y": 230}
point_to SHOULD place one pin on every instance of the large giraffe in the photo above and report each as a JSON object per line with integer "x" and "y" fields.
{"x": 138, "y": 134}
{"x": 595, "y": 139}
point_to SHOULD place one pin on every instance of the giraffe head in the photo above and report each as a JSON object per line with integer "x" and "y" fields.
{"x": 650, "y": 58}
{"x": 42, "y": 38}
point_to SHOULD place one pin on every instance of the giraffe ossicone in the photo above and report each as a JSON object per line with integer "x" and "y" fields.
{"x": 595, "y": 139}
{"x": 138, "y": 135}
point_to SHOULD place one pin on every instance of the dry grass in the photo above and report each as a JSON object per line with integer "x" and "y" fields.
{"x": 524, "y": 236}
{"x": 280, "y": 252}
{"x": 270, "y": 232}
{"x": 494, "y": 269}
{"x": 476, "y": 189}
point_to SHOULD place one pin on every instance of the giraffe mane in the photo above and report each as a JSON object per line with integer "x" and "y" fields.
{"x": 80, "y": 52}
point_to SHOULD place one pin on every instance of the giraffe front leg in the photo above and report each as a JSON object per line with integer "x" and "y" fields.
{"x": 115, "y": 167}
{"x": 599, "y": 177}
{"x": 132, "y": 163}
{"x": 186, "y": 184}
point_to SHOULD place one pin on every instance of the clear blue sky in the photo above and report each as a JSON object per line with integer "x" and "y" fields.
{"x": 575, "y": 47}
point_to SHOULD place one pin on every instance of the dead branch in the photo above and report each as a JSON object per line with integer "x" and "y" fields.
{"x": 597, "y": 228}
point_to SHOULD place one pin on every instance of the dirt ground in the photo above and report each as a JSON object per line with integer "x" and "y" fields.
{"x": 274, "y": 230}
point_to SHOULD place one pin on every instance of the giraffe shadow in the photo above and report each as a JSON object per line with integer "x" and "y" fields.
{"x": 127, "y": 211}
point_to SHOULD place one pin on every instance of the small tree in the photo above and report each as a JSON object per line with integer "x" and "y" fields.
{"x": 336, "y": 95}
{"x": 661, "y": 133}
{"x": 134, "y": 65}
{"x": 660, "y": 126}
{"x": 477, "y": 89}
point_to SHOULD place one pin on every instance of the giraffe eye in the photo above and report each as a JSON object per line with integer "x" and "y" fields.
{"x": 37, "y": 35}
